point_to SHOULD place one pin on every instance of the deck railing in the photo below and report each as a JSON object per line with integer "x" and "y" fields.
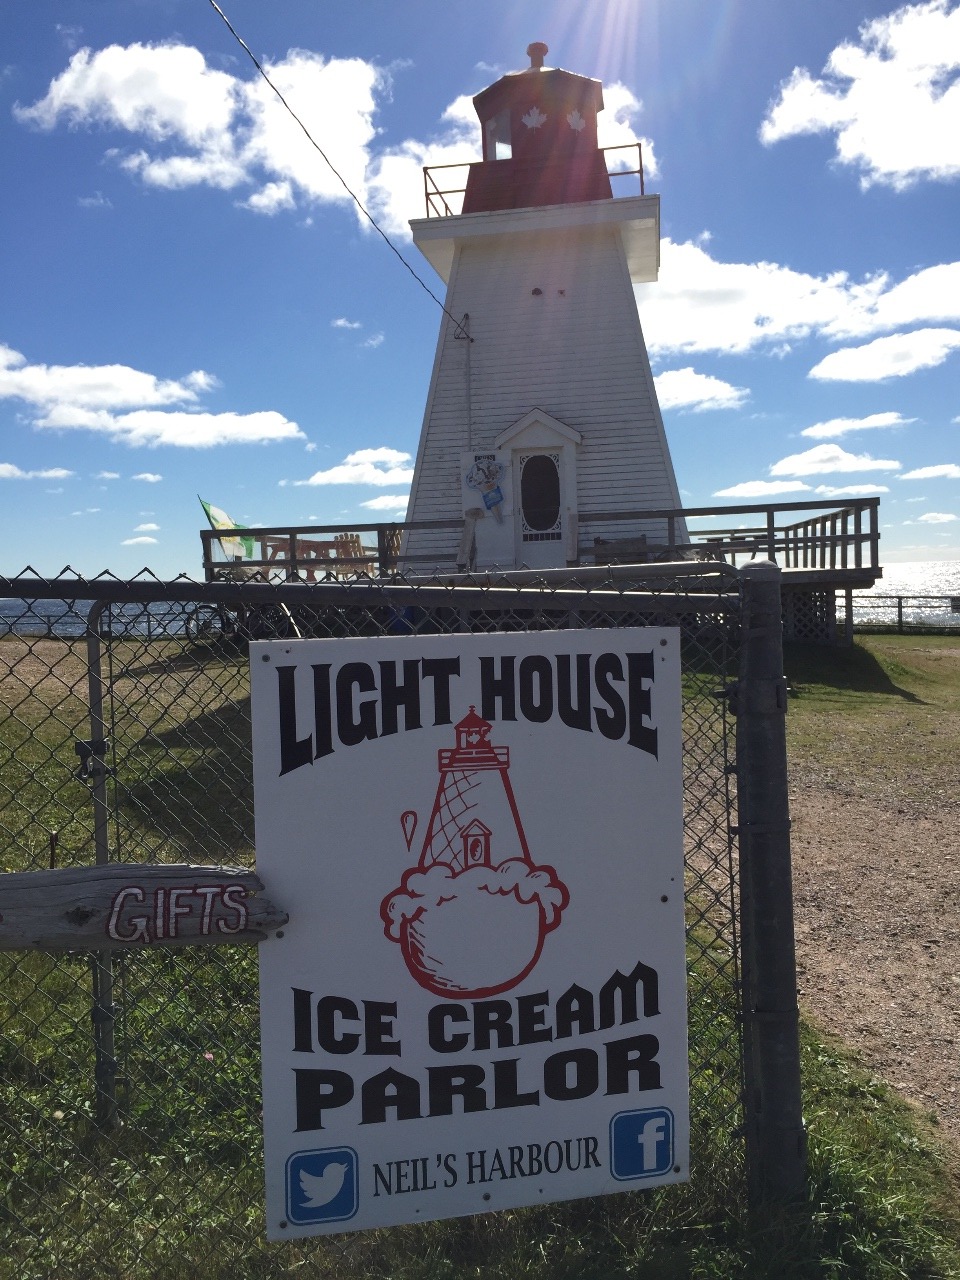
{"x": 842, "y": 536}
{"x": 832, "y": 535}
{"x": 312, "y": 553}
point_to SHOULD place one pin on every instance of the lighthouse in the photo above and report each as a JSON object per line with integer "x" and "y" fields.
{"x": 474, "y": 780}
{"x": 472, "y": 916}
{"x": 542, "y": 414}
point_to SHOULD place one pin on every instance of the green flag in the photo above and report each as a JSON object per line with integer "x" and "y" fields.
{"x": 233, "y": 548}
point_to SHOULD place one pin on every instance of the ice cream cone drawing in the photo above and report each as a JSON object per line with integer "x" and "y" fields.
{"x": 485, "y": 476}
{"x": 472, "y": 916}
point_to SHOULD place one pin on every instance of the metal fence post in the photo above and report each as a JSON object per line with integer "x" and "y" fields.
{"x": 103, "y": 1012}
{"x": 775, "y": 1138}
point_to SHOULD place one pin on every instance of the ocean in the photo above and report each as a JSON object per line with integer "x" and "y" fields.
{"x": 920, "y": 578}
{"x": 915, "y": 592}
{"x": 68, "y": 619}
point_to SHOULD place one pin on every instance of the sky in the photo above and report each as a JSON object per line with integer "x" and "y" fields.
{"x": 192, "y": 302}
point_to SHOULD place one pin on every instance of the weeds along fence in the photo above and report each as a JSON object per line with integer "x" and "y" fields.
{"x": 130, "y": 1117}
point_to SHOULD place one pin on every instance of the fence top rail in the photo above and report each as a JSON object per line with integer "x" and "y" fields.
{"x": 609, "y": 587}
{"x": 866, "y": 596}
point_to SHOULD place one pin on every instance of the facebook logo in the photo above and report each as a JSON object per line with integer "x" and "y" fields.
{"x": 641, "y": 1143}
{"x": 322, "y": 1185}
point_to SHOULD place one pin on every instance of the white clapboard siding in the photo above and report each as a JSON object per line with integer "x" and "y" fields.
{"x": 555, "y": 328}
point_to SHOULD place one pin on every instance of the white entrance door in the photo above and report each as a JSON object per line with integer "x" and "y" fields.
{"x": 540, "y": 531}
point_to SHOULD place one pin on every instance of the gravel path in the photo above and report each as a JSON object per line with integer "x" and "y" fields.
{"x": 876, "y": 851}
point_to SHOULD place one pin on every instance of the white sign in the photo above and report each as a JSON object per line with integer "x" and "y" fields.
{"x": 479, "y": 1001}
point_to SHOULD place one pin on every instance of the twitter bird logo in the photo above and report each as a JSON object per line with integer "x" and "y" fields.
{"x": 322, "y": 1186}
{"x": 320, "y": 1191}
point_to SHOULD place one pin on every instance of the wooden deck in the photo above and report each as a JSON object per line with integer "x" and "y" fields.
{"x": 823, "y": 546}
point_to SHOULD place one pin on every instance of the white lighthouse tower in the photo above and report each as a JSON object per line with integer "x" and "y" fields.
{"x": 542, "y": 413}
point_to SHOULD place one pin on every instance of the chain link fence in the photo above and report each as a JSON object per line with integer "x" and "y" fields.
{"x": 130, "y": 1138}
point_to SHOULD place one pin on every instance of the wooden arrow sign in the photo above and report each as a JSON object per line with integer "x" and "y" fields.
{"x": 133, "y": 905}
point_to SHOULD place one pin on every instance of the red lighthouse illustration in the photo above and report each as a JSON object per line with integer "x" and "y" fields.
{"x": 472, "y": 916}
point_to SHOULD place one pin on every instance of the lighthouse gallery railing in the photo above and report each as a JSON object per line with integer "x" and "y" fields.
{"x": 444, "y": 185}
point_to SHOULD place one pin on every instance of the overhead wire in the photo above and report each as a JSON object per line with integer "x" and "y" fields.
{"x": 460, "y": 331}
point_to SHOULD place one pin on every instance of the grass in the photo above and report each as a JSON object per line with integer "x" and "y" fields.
{"x": 877, "y": 673}
{"x": 176, "y": 1192}
{"x": 889, "y": 707}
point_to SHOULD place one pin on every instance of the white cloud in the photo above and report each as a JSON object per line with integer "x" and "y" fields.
{"x": 108, "y": 386}
{"x": 850, "y": 490}
{"x": 928, "y": 295}
{"x": 892, "y": 101}
{"x": 891, "y": 357}
{"x": 164, "y": 93}
{"x": 68, "y": 34}
{"x": 375, "y": 340}
{"x": 936, "y": 517}
{"x": 271, "y": 198}
{"x": 96, "y": 201}
{"x": 702, "y": 304}
{"x": 138, "y": 542}
{"x": 10, "y": 472}
{"x": 824, "y": 459}
{"x": 335, "y": 99}
{"x": 200, "y": 380}
{"x": 687, "y": 389}
{"x": 179, "y": 428}
{"x": 158, "y": 90}
{"x": 107, "y": 475}
{"x": 366, "y": 466}
{"x": 87, "y": 398}
{"x": 761, "y": 488}
{"x": 149, "y": 477}
{"x": 942, "y": 471}
{"x": 382, "y": 454}
{"x": 387, "y": 502}
{"x": 199, "y": 126}
{"x": 146, "y": 528}
{"x": 342, "y": 322}
{"x": 836, "y": 427}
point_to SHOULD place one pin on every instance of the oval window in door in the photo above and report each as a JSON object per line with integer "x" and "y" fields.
{"x": 540, "y": 492}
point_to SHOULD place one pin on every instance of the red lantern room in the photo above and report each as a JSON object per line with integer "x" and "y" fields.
{"x": 539, "y": 130}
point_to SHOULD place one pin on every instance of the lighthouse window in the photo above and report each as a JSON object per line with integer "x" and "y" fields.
{"x": 540, "y": 497}
{"x": 498, "y": 143}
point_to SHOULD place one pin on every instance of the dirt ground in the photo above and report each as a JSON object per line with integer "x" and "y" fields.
{"x": 876, "y": 850}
